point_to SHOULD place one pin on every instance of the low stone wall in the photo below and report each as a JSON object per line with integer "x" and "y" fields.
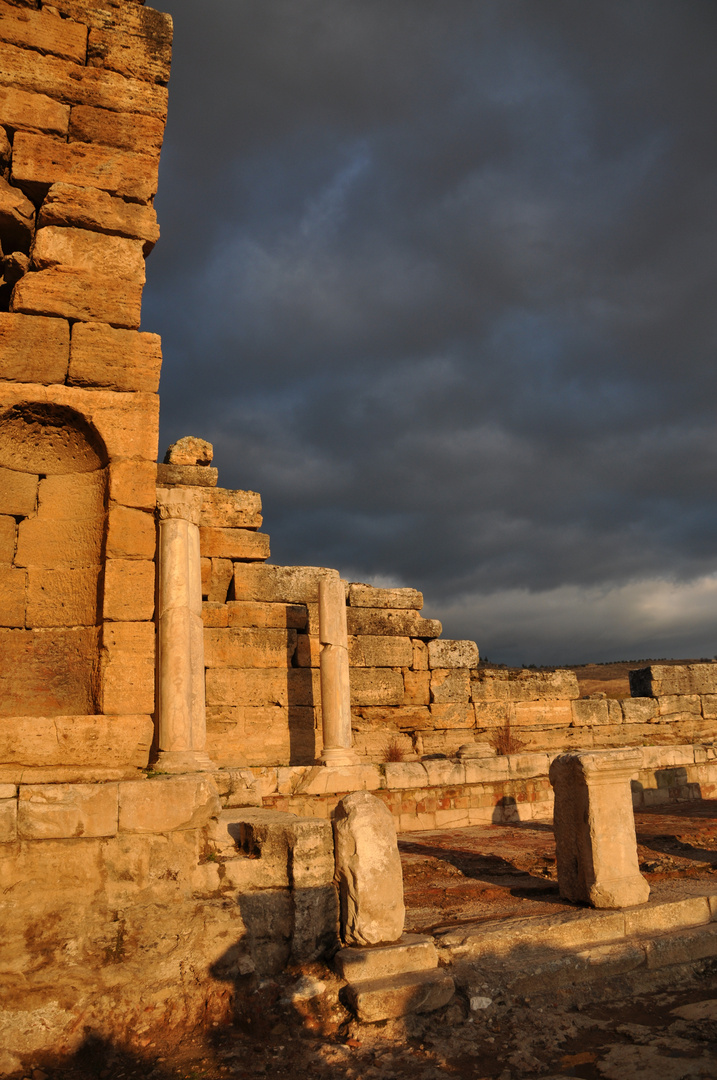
{"x": 443, "y": 794}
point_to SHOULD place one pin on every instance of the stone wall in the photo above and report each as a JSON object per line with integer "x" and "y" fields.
{"x": 83, "y": 103}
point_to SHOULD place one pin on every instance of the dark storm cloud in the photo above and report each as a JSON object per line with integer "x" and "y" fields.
{"x": 438, "y": 280}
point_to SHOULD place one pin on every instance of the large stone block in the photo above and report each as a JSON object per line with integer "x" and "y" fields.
{"x": 65, "y": 81}
{"x": 76, "y": 741}
{"x": 386, "y": 621}
{"x": 376, "y": 686}
{"x": 117, "y": 359}
{"x": 452, "y": 715}
{"x": 46, "y": 32}
{"x": 79, "y": 294}
{"x": 216, "y": 578}
{"x": 557, "y": 713}
{"x": 48, "y": 672}
{"x": 71, "y": 206}
{"x": 167, "y": 803}
{"x": 127, "y": 131}
{"x": 255, "y": 613}
{"x": 131, "y": 534}
{"x": 72, "y": 496}
{"x": 221, "y": 508}
{"x": 247, "y": 686}
{"x": 132, "y": 54}
{"x": 452, "y": 654}
{"x": 127, "y": 680}
{"x": 18, "y": 492}
{"x": 43, "y": 159}
{"x": 500, "y": 684}
{"x": 66, "y": 597}
{"x": 8, "y": 534}
{"x": 368, "y": 596}
{"x": 277, "y": 584}
{"x": 128, "y": 590}
{"x": 587, "y": 711}
{"x": 13, "y": 584}
{"x": 57, "y": 811}
{"x": 34, "y": 349}
{"x": 134, "y": 483}
{"x": 8, "y": 819}
{"x": 25, "y": 111}
{"x": 660, "y": 680}
{"x": 380, "y": 651}
{"x": 94, "y": 253}
{"x": 368, "y": 871}
{"x": 249, "y": 648}
{"x": 416, "y": 687}
{"x": 17, "y": 218}
{"x": 233, "y": 543}
{"x": 52, "y": 543}
{"x": 450, "y": 685}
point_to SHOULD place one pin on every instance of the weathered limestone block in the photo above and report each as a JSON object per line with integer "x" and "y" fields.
{"x": 334, "y": 672}
{"x": 47, "y": 672}
{"x": 131, "y": 534}
{"x": 595, "y": 840}
{"x": 66, "y": 597}
{"x": 669, "y": 704}
{"x": 660, "y": 680}
{"x": 43, "y": 159}
{"x": 249, "y": 648}
{"x": 187, "y": 476}
{"x": 34, "y": 349}
{"x": 254, "y": 613}
{"x": 127, "y": 668}
{"x": 250, "y": 686}
{"x": 145, "y": 52}
{"x": 70, "y": 206}
{"x": 450, "y": 685}
{"x": 376, "y": 686}
{"x": 416, "y": 687}
{"x": 385, "y": 621}
{"x": 234, "y": 543}
{"x": 380, "y": 651}
{"x": 65, "y": 81}
{"x": 167, "y": 803}
{"x": 117, "y": 359}
{"x": 368, "y": 596}
{"x": 452, "y": 715}
{"x": 52, "y": 543}
{"x": 368, "y": 871}
{"x": 497, "y": 684}
{"x": 79, "y": 249}
{"x": 128, "y": 590}
{"x": 70, "y": 496}
{"x": 13, "y": 584}
{"x": 25, "y": 111}
{"x": 81, "y": 741}
{"x": 56, "y": 811}
{"x": 79, "y": 294}
{"x": 587, "y": 711}
{"x": 452, "y": 654}
{"x": 546, "y": 713}
{"x": 420, "y": 655}
{"x": 127, "y": 131}
{"x": 17, "y": 218}
{"x": 43, "y": 31}
{"x": 216, "y": 578}
{"x": 134, "y": 483}
{"x": 189, "y": 450}
{"x": 278, "y": 584}
{"x": 18, "y": 492}
{"x": 221, "y": 508}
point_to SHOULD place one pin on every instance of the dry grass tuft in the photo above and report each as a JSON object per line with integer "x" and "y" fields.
{"x": 393, "y": 751}
{"x": 505, "y": 742}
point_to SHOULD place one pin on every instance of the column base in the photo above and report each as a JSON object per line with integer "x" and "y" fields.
{"x": 184, "y": 761}
{"x": 339, "y": 755}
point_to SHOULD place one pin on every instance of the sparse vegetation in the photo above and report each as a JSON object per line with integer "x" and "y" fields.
{"x": 504, "y": 741}
{"x": 393, "y": 751}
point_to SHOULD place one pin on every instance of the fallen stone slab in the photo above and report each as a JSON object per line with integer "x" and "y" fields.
{"x": 398, "y": 995}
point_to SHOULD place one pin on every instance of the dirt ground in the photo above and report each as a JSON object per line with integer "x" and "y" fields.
{"x": 295, "y": 1026}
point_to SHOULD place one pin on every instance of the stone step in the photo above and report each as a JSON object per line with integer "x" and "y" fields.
{"x": 572, "y": 930}
{"x": 413, "y": 952}
{"x": 397, "y": 995}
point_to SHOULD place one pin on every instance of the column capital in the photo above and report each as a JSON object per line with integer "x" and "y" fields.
{"x": 178, "y": 502}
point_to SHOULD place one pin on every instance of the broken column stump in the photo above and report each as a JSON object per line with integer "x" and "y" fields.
{"x": 595, "y": 841}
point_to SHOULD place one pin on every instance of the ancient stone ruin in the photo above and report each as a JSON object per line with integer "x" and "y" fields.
{"x": 183, "y": 721}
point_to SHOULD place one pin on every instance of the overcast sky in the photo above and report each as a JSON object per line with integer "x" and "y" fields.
{"x": 438, "y": 279}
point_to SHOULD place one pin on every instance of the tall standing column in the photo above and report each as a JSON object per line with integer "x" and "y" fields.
{"x": 182, "y": 727}
{"x": 334, "y": 672}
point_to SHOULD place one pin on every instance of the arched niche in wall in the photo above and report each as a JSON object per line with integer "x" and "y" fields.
{"x": 53, "y": 495}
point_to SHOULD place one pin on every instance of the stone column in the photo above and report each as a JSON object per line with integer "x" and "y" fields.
{"x": 334, "y": 672}
{"x": 595, "y": 841}
{"x": 182, "y": 727}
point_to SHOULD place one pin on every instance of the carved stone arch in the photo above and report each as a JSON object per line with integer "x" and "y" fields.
{"x": 53, "y": 517}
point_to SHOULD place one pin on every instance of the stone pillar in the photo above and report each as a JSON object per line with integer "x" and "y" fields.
{"x": 182, "y": 727}
{"x": 334, "y": 672}
{"x": 368, "y": 871}
{"x": 595, "y": 841}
